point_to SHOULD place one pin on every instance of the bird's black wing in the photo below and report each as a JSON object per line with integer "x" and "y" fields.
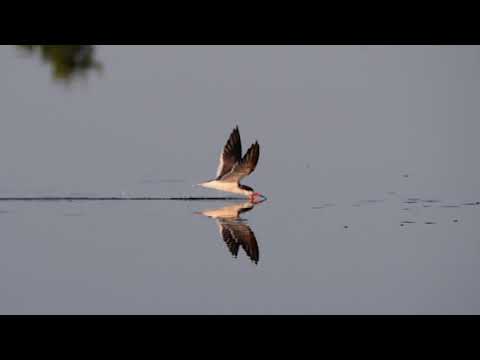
{"x": 231, "y": 153}
{"x": 244, "y": 167}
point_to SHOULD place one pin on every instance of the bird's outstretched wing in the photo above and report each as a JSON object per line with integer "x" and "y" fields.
{"x": 231, "y": 153}
{"x": 244, "y": 167}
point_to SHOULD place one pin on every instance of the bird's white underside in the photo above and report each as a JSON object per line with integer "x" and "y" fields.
{"x": 231, "y": 187}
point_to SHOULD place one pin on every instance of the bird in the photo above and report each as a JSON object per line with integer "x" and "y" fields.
{"x": 235, "y": 231}
{"x": 232, "y": 168}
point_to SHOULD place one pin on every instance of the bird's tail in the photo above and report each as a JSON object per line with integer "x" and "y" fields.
{"x": 203, "y": 184}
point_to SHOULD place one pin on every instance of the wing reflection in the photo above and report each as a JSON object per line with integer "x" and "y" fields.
{"x": 234, "y": 230}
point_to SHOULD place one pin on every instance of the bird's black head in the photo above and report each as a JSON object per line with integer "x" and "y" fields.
{"x": 252, "y": 194}
{"x": 245, "y": 187}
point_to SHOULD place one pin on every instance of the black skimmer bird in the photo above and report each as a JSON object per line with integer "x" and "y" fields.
{"x": 235, "y": 231}
{"x": 233, "y": 168}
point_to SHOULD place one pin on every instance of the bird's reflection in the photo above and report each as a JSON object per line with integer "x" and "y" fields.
{"x": 234, "y": 230}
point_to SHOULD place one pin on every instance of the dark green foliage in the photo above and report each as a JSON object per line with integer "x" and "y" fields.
{"x": 67, "y": 61}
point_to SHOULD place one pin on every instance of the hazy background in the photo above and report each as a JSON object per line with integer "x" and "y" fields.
{"x": 347, "y": 133}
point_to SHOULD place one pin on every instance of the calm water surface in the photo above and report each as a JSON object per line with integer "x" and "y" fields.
{"x": 369, "y": 160}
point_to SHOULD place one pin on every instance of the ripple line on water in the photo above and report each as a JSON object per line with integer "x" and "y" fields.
{"x": 110, "y": 198}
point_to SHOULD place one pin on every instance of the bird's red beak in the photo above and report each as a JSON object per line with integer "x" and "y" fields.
{"x": 255, "y": 194}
